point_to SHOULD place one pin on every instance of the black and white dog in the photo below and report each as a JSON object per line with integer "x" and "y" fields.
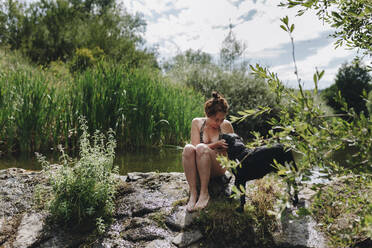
{"x": 256, "y": 163}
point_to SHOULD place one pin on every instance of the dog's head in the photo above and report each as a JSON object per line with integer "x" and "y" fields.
{"x": 230, "y": 138}
{"x": 235, "y": 145}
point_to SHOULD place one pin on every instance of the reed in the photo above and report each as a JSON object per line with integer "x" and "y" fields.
{"x": 138, "y": 104}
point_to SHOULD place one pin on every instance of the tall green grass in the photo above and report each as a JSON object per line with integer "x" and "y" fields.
{"x": 138, "y": 104}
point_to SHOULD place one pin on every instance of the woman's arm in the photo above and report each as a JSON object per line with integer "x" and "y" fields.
{"x": 195, "y": 134}
{"x": 226, "y": 127}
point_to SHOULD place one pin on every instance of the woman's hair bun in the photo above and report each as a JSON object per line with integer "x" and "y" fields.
{"x": 215, "y": 96}
{"x": 215, "y": 104}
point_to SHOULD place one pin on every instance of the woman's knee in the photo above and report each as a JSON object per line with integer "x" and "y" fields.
{"x": 202, "y": 149}
{"x": 189, "y": 151}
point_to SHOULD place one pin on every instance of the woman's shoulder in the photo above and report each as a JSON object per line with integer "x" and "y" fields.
{"x": 198, "y": 120}
{"x": 226, "y": 123}
{"x": 226, "y": 127}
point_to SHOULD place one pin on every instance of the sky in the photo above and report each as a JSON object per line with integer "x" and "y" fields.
{"x": 174, "y": 26}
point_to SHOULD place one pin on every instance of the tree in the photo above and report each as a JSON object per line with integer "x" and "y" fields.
{"x": 11, "y": 16}
{"x": 351, "y": 81}
{"x": 190, "y": 57}
{"x": 369, "y": 103}
{"x": 231, "y": 50}
{"x": 50, "y": 30}
{"x": 352, "y": 19}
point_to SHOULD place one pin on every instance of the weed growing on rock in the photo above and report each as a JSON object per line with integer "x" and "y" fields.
{"x": 83, "y": 190}
{"x": 342, "y": 207}
{"x": 223, "y": 226}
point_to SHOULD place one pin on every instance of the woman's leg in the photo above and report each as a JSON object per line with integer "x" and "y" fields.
{"x": 216, "y": 169}
{"x": 189, "y": 166}
{"x": 203, "y": 164}
{"x": 208, "y": 167}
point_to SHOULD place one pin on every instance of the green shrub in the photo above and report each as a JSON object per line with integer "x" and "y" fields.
{"x": 369, "y": 103}
{"x": 352, "y": 82}
{"x": 83, "y": 190}
{"x": 39, "y": 108}
{"x": 82, "y": 60}
{"x": 223, "y": 226}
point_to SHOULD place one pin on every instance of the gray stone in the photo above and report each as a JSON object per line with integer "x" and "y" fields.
{"x": 300, "y": 231}
{"x": 29, "y": 230}
{"x": 109, "y": 243}
{"x": 59, "y": 238}
{"x": 142, "y": 229}
{"x": 180, "y": 219}
{"x": 148, "y": 214}
{"x": 139, "y": 204}
{"x": 185, "y": 239}
{"x": 146, "y": 233}
{"x": 2, "y": 223}
{"x": 134, "y": 176}
{"x": 158, "y": 243}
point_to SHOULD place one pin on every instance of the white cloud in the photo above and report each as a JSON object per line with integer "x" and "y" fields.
{"x": 185, "y": 24}
{"x": 319, "y": 60}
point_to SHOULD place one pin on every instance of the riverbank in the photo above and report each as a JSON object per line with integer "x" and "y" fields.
{"x": 150, "y": 212}
{"x": 145, "y": 159}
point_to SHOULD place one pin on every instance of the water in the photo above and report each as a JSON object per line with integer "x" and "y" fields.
{"x": 144, "y": 160}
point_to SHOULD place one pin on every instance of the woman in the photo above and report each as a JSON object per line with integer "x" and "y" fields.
{"x": 199, "y": 157}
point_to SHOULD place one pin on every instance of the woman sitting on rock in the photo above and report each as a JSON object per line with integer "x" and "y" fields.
{"x": 199, "y": 157}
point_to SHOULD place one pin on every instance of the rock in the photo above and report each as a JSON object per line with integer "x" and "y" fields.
{"x": 160, "y": 244}
{"x": 143, "y": 229}
{"x": 299, "y": 231}
{"x": 29, "y": 230}
{"x": 150, "y": 212}
{"x": 180, "y": 219}
{"x": 60, "y": 238}
{"x": 134, "y": 176}
{"x": 2, "y": 223}
{"x": 185, "y": 239}
{"x": 146, "y": 233}
{"x": 139, "y": 204}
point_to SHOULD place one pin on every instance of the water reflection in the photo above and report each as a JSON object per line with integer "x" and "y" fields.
{"x": 146, "y": 160}
{"x": 142, "y": 160}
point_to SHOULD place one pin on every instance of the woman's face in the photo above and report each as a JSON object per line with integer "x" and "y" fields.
{"x": 216, "y": 120}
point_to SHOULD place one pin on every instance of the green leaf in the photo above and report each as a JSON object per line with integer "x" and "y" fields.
{"x": 242, "y": 188}
{"x": 336, "y": 15}
{"x": 284, "y": 28}
{"x": 321, "y": 74}
{"x": 292, "y": 28}
{"x": 285, "y": 20}
{"x": 303, "y": 212}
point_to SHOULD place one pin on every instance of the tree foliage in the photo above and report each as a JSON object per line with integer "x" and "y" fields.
{"x": 353, "y": 82}
{"x": 231, "y": 50}
{"x": 50, "y": 30}
{"x": 329, "y": 144}
{"x": 352, "y": 19}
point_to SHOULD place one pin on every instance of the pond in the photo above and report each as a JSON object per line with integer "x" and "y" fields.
{"x": 143, "y": 160}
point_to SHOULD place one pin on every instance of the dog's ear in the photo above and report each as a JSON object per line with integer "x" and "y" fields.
{"x": 237, "y": 137}
{"x": 227, "y": 137}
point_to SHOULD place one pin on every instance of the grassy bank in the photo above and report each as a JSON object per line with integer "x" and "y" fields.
{"x": 39, "y": 109}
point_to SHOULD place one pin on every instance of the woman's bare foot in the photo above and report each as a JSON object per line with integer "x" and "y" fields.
{"x": 202, "y": 202}
{"x": 191, "y": 204}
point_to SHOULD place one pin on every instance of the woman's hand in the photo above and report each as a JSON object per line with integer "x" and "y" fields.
{"x": 219, "y": 145}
